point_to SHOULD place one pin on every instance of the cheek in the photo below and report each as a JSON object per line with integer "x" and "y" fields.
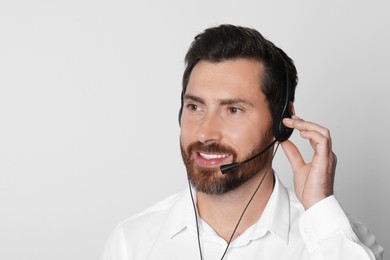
{"x": 188, "y": 128}
{"x": 240, "y": 138}
{"x": 246, "y": 137}
{"x": 186, "y": 134}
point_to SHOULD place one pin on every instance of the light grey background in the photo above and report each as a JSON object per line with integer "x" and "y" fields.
{"x": 89, "y": 95}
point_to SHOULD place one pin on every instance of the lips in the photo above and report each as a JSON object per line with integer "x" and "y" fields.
{"x": 209, "y": 156}
{"x": 206, "y": 159}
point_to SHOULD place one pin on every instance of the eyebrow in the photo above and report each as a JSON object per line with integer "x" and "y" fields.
{"x": 194, "y": 98}
{"x": 227, "y": 101}
{"x": 234, "y": 101}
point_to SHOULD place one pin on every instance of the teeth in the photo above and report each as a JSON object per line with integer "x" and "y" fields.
{"x": 213, "y": 156}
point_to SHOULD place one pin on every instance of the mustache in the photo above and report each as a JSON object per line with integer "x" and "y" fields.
{"x": 211, "y": 148}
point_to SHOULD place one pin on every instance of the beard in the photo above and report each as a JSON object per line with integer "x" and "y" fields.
{"x": 210, "y": 180}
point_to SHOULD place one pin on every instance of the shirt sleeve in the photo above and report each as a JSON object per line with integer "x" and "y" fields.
{"x": 330, "y": 235}
{"x": 115, "y": 248}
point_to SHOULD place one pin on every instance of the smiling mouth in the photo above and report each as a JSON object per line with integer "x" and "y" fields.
{"x": 210, "y": 156}
{"x": 211, "y": 160}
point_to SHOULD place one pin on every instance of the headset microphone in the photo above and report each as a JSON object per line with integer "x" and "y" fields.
{"x": 226, "y": 168}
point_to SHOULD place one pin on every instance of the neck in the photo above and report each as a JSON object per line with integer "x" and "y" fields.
{"x": 222, "y": 212}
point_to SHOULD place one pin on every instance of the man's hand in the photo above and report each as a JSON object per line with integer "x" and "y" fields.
{"x": 313, "y": 181}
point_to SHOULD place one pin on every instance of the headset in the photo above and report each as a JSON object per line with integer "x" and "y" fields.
{"x": 279, "y": 130}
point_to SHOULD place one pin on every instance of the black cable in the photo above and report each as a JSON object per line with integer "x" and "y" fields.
{"x": 196, "y": 219}
{"x": 249, "y": 202}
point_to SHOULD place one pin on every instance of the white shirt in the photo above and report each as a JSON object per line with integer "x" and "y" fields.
{"x": 167, "y": 231}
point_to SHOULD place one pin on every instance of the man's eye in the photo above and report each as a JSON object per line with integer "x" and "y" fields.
{"x": 193, "y": 107}
{"x": 234, "y": 110}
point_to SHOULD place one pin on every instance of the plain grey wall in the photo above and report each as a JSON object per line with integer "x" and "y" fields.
{"x": 89, "y": 95}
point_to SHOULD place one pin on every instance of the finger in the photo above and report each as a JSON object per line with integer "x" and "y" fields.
{"x": 302, "y": 125}
{"x": 320, "y": 143}
{"x": 293, "y": 155}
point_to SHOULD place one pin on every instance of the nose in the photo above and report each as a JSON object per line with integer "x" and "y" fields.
{"x": 209, "y": 129}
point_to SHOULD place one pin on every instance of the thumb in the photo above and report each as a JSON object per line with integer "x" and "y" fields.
{"x": 293, "y": 155}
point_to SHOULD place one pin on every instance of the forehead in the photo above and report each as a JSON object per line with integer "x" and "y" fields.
{"x": 239, "y": 78}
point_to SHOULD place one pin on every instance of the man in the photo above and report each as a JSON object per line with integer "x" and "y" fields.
{"x": 237, "y": 97}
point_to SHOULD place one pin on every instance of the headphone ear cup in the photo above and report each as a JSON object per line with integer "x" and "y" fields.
{"x": 280, "y": 131}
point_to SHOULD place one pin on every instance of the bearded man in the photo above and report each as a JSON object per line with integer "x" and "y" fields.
{"x": 237, "y": 107}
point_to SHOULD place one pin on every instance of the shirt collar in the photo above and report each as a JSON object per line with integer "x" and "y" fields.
{"x": 182, "y": 215}
{"x": 275, "y": 217}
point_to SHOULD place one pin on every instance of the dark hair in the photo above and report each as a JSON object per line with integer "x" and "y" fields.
{"x": 229, "y": 42}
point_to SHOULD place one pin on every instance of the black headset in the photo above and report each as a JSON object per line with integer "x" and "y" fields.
{"x": 279, "y": 130}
